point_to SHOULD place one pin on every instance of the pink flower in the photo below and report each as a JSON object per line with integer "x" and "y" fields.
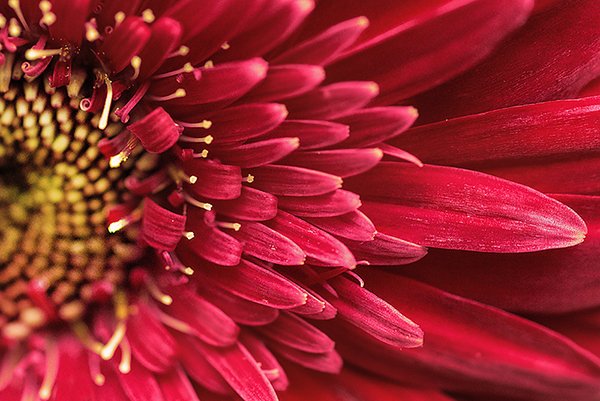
{"x": 189, "y": 186}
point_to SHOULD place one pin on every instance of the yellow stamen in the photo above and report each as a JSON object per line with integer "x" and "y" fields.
{"x": 51, "y": 369}
{"x": 206, "y": 124}
{"x": 148, "y": 16}
{"x": 177, "y": 94}
{"x": 136, "y": 63}
{"x": 205, "y": 139}
{"x": 125, "y": 364}
{"x": 107, "y": 102}
{"x": 157, "y": 294}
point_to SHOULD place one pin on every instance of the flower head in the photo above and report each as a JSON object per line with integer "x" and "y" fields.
{"x": 181, "y": 184}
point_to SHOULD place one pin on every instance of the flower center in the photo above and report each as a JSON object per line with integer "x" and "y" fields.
{"x": 56, "y": 190}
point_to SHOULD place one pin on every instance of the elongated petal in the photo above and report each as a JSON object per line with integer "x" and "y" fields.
{"x": 391, "y": 121}
{"x": 366, "y": 311}
{"x": 140, "y": 384}
{"x": 258, "y": 153}
{"x": 342, "y": 162}
{"x": 459, "y": 209}
{"x": 354, "y": 225}
{"x": 333, "y": 204}
{"x": 554, "y": 281}
{"x": 269, "y": 245}
{"x": 251, "y": 205}
{"x": 325, "y": 47}
{"x": 511, "y": 136}
{"x": 318, "y": 245}
{"x": 127, "y": 41}
{"x": 237, "y": 123}
{"x": 267, "y": 360}
{"x": 328, "y": 362}
{"x": 567, "y": 37}
{"x": 176, "y": 386}
{"x": 332, "y": 101}
{"x": 293, "y": 181}
{"x": 297, "y": 333}
{"x": 214, "y": 180}
{"x": 386, "y": 250}
{"x": 313, "y": 134}
{"x": 436, "y": 45}
{"x": 474, "y": 348}
{"x": 285, "y": 81}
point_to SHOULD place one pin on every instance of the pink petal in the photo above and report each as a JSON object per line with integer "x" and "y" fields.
{"x": 176, "y": 386}
{"x": 267, "y": 360}
{"x": 140, "y": 384}
{"x": 210, "y": 324}
{"x": 474, "y": 348}
{"x": 553, "y": 57}
{"x": 328, "y": 362}
{"x": 165, "y": 35}
{"x": 214, "y": 180}
{"x": 439, "y": 43}
{"x": 460, "y": 209}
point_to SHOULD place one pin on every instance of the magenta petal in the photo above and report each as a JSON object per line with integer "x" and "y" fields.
{"x": 332, "y": 101}
{"x": 126, "y": 41}
{"x": 295, "y": 332}
{"x": 317, "y": 245}
{"x": 269, "y": 245}
{"x": 436, "y": 45}
{"x": 251, "y": 205}
{"x": 332, "y": 204}
{"x": 555, "y": 55}
{"x": 140, "y": 384}
{"x": 313, "y": 134}
{"x": 267, "y": 360}
{"x": 385, "y": 250}
{"x": 285, "y": 81}
{"x": 554, "y": 281}
{"x": 213, "y": 179}
{"x": 257, "y": 154}
{"x": 354, "y": 225}
{"x": 446, "y": 207}
{"x": 176, "y": 386}
{"x": 209, "y": 323}
{"x": 473, "y": 348}
{"x": 151, "y": 343}
{"x": 255, "y": 284}
{"x": 514, "y": 136}
{"x": 241, "y": 371}
{"x": 237, "y": 123}
{"x": 340, "y": 162}
{"x": 372, "y": 315}
{"x": 328, "y": 362}
{"x": 293, "y": 181}
{"x": 326, "y": 46}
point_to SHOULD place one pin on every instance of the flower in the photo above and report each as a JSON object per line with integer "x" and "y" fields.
{"x": 172, "y": 177}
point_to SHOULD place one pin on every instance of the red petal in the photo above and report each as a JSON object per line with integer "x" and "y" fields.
{"x": 328, "y": 362}
{"x": 372, "y": 315}
{"x": 267, "y": 360}
{"x": 312, "y": 134}
{"x": 165, "y": 35}
{"x": 295, "y": 332}
{"x": 385, "y": 250}
{"x": 156, "y": 131}
{"x": 553, "y": 57}
{"x": 391, "y": 121}
{"x": 140, "y": 384}
{"x": 473, "y": 348}
{"x": 554, "y": 281}
{"x": 293, "y": 181}
{"x": 315, "y": 243}
{"x": 325, "y": 47}
{"x": 251, "y": 205}
{"x": 342, "y": 162}
{"x": 161, "y": 228}
{"x": 332, "y": 101}
{"x": 285, "y": 81}
{"x": 70, "y": 18}
{"x": 176, "y": 386}
{"x": 258, "y": 153}
{"x": 214, "y": 180}
{"x": 269, "y": 245}
{"x": 354, "y": 225}
{"x": 329, "y": 205}
{"x": 511, "y": 137}
{"x": 126, "y": 41}
{"x": 436, "y": 45}
{"x": 460, "y": 209}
